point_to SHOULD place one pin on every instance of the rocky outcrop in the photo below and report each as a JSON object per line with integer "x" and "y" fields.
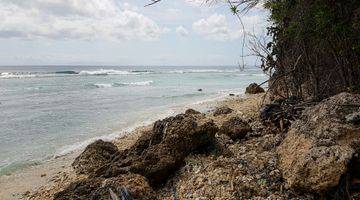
{"x": 158, "y": 153}
{"x": 236, "y": 128}
{"x": 254, "y": 88}
{"x": 94, "y": 156}
{"x": 131, "y": 185}
{"x": 223, "y": 110}
{"x": 319, "y": 147}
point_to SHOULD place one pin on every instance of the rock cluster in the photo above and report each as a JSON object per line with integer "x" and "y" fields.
{"x": 156, "y": 155}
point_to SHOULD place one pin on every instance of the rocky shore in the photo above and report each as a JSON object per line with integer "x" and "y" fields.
{"x": 242, "y": 149}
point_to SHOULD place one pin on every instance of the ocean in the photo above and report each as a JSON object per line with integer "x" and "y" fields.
{"x": 49, "y": 111}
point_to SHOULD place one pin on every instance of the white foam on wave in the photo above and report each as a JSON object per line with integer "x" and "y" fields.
{"x": 202, "y": 71}
{"x": 110, "y": 85}
{"x": 103, "y": 85}
{"x": 106, "y": 72}
{"x": 140, "y": 83}
{"x": 8, "y": 75}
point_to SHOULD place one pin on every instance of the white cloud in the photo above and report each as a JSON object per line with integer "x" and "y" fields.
{"x": 182, "y": 31}
{"x": 216, "y": 27}
{"x": 75, "y": 19}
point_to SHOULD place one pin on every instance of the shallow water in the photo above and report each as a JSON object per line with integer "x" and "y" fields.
{"x": 49, "y": 110}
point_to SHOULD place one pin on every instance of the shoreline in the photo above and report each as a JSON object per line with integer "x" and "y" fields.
{"x": 57, "y": 171}
{"x": 201, "y": 105}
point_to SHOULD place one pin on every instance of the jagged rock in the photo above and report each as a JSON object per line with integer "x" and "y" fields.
{"x": 319, "y": 147}
{"x": 223, "y": 110}
{"x": 99, "y": 188}
{"x": 192, "y": 112}
{"x": 94, "y": 156}
{"x": 160, "y": 152}
{"x": 254, "y": 88}
{"x": 235, "y": 128}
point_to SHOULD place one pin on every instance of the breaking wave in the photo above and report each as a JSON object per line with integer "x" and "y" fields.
{"x": 110, "y": 85}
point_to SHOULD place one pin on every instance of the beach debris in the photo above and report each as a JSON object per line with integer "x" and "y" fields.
{"x": 160, "y": 152}
{"x": 191, "y": 111}
{"x": 200, "y": 90}
{"x": 254, "y": 88}
{"x": 94, "y": 156}
{"x": 236, "y": 128}
{"x": 129, "y": 186}
{"x": 320, "y": 146}
{"x": 231, "y": 94}
{"x": 222, "y": 110}
{"x": 42, "y": 175}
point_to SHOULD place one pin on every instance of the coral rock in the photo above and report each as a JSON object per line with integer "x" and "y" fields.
{"x": 235, "y": 128}
{"x": 94, "y": 156}
{"x": 254, "y": 88}
{"x": 319, "y": 146}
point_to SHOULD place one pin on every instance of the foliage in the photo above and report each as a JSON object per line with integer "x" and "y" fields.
{"x": 322, "y": 37}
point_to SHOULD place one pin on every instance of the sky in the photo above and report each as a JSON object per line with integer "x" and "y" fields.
{"x": 123, "y": 32}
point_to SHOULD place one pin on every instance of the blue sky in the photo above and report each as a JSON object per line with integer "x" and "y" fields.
{"x": 117, "y": 32}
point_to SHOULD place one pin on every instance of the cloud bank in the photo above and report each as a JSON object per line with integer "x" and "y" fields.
{"x": 75, "y": 19}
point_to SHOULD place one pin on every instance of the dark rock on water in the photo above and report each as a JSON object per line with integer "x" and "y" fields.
{"x": 192, "y": 112}
{"x": 132, "y": 186}
{"x": 158, "y": 153}
{"x": 254, "y": 88}
{"x": 200, "y": 90}
{"x": 223, "y": 110}
{"x": 235, "y": 128}
{"x": 94, "y": 156}
{"x": 320, "y": 146}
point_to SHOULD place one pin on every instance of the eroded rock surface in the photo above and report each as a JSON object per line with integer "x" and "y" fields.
{"x": 320, "y": 145}
{"x": 236, "y": 128}
{"x": 254, "y": 88}
{"x": 94, "y": 156}
{"x": 223, "y": 110}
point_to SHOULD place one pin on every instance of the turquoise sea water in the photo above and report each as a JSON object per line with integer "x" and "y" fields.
{"x": 49, "y": 111}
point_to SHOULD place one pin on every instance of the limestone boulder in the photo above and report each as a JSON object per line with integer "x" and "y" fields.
{"x": 320, "y": 147}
